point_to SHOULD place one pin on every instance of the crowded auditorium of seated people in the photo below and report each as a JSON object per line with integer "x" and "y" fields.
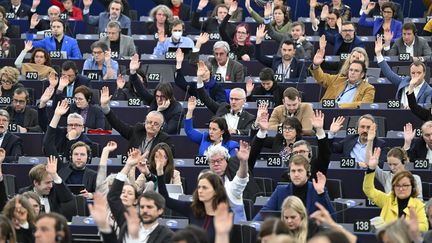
{"x": 216, "y": 121}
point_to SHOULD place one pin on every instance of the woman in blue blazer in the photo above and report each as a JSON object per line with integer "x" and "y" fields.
{"x": 385, "y": 24}
{"x": 217, "y": 135}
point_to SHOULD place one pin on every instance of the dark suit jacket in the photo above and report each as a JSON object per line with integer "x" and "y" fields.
{"x": 24, "y": 10}
{"x": 421, "y": 48}
{"x": 220, "y": 109}
{"x": 211, "y": 25}
{"x": 418, "y": 149}
{"x": 59, "y": 193}
{"x": 160, "y": 234}
{"x": 30, "y": 118}
{"x": 297, "y": 68}
{"x": 136, "y": 134}
{"x": 55, "y": 141}
{"x": 12, "y": 144}
{"x": 346, "y": 145}
{"x": 276, "y": 91}
{"x": 416, "y": 109}
{"x": 89, "y": 177}
{"x": 337, "y": 41}
{"x": 172, "y": 114}
{"x": 216, "y": 91}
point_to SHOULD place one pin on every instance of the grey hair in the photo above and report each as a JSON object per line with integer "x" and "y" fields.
{"x": 222, "y": 44}
{"x": 114, "y": 24}
{"x": 53, "y": 7}
{"x": 303, "y": 142}
{"x": 158, "y": 114}
{"x": 239, "y": 90}
{"x": 4, "y": 113}
{"x": 427, "y": 124}
{"x": 366, "y": 116}
{"x": 164, "y": 9}
{"x": 217, "y": 150}
{"x": 75, "y": 115}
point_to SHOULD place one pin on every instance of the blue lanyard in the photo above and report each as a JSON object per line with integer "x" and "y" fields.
{"x": 346, "y": 91}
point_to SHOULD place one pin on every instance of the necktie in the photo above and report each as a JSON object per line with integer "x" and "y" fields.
{"x": 69, "y": 91}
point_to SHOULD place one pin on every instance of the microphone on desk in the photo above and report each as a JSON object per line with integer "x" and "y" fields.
{"x": 182, "y": 113}
{"x": 350, "y": 204}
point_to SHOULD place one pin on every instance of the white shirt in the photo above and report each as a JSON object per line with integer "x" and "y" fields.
{"x": 429, "y": 154}
{"x": 404, "y": 98}
{"x": 2, "y": 137}
{"x": 410, "y": 48}
{"x": 232, "y": 120}
{"x": 222, "y": 70}
{"x": 143, "y": 234}
{"x": 284, "y": 70}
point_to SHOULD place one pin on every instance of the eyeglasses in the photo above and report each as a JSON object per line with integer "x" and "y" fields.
{"x": 21, "y": 102}
{"x": 6, "y": 82}
{"x": 97, "y": 52}
{"x": 74, "y": 125}
{"x": 78, "y": 99}
{"x": 387, "y": 12}
{"x": 217, "y": 161}
{"x": 152, "y": 123}
{"x": 288, "y": 129}
{"x": 347, "y": 30}
{"x": 160, "y": 97}
{"x": 300, "y": 152}
{"x": 402, "y": 187}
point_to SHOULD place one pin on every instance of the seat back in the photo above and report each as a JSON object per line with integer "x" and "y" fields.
{"x": 334, "y": 188}
{"x": 10, "y": 185}
{"x": 379, "y": 120}
{"x": 266, "y": 186}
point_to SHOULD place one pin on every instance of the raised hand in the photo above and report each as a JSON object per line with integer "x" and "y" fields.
{"x": 319, "y": 57}
{"x": 46, "y": 96}
{"x": 313, "y": 3}
{"x": 408, "y": 132}
{"x": 120, "y": 82}
{"x": 202, "y": 4}
{"x": 133, "y": 157}
{"x": 133, "y": 222}
{"x": 203, "y": 38}
{"x": 105, "y": 97}
{"x": 134, "y": 63}
{"x": 28, "y": 45}
{"x": 160, "y": 161}
{"x": 374, "y": 158}
{"x": 111, "y": 146}
{"x": 322, "y": 216}
{"x": 263, "y": 121}
{"x": 365, "y": 3}
{"x": 318, "y": 120}
{"x": 99, "y": 210}
{"x": 262, "y": 108}
{"x": 201, "y": 70}
{"x": 249, "y": 87}
{"x": 34, "y": 21}
{"x": 324, "y": 12}
{"x": 337, "y": 124}
{"x": 53, "y": 79}
{"x": 388, "y": 37}
{"x": 87, "y": 3}
{"x": 244, "y": 151}
{"x": 62, "y": 108}
{"x": 191, "y": 103}
{"x": 379, "y": 46}
{"x": 223, "y": 219}
{"x": 142, "y": 164}
{"x": 233, "y": 7}
{"x": 267, "y": 10}
{"x": 179, "y": 56}
{"x": 372, "y": 132}
{"x": 260, "y": 33}
{"x": 64, "y": 81}
{"x": 319, "y": 182}
{"x": 107, "y": 57}
{"x": 369, "y": 7}
{"x": 51, "y": 166}
{"x": 35, "y": 4}
{"x": 322, "y": 42}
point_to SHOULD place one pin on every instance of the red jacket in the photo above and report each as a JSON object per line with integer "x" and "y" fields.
{"x": 76, "y": 12}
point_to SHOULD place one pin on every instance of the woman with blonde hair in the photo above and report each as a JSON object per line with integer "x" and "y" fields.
{"x": 295, "y": 217}
{"x": 21, "y": 213}
{"x": 357, "y": 53}
{"x": 9, "y": 81}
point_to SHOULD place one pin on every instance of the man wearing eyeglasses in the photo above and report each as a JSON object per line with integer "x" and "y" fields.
{"x": 58, "y": 141}
{"x": 22, "y": 116}
{"x": 11, "y": 143}
{"x": 345, "y": 41}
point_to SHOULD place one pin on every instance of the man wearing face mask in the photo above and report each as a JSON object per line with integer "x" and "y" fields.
{"x": 177, "y": 40}
{"x": 114, "y": 8}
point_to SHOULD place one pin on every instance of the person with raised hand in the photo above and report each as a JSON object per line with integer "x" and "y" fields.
{"x": 40, "y": 61}
{"x": 217, "y": 135}
{"x": 420, "y": 88}
{"x": 240, "y": 44}
{"x": 19, "y": 210}
{"x": 268, "y": 86}
{"x": 101, "y": 60}
{"x": 43, "y": 101}
{"x": 99, "y": 211}
{"x": 417, "y": 148}
{"x": 60, "y": 140}
{"x": 278, "y": 17}
{"x": 49, "y": 186}
{"x": 151, "y": 207}
{"x": 162, "y": 99}
{"x": 212, "y": 24}
{"x": 205, "y": 78}
{"x": 223, "y": 223}
{"x": 101, "y": 183}
{"x": 403, "y": 196}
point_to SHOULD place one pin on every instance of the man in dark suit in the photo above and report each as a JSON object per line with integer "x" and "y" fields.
{"x": 238, "y": 119}
{"x": 420, "y": 148}
{"x": 211, "y": 25}
{"x": 19, "y": 9}
{"x": 354, "y": 146}
{"x": 224, "y": 68}
{"x": 286, "y": 66}
{"x": 49, "y": 186}
{"x": 417, "y": 47}
{"x": 345, "y": 41}
{"x": 24, "y": 117}
{"x": 376, "y": 11}
{"x": 11, "y": 143}
{"x": 143, "y": 136}
{"x": 151, "y": 206}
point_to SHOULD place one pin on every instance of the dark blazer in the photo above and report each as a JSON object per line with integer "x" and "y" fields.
{"x": 136, "y": 134}
{"x": 152, "y": 29}
{"x": 337, "y": 41}
{"x": 211, "y": 25}
{"x": 89, "y": 177}
{"x": 420, "y": 112}
{"x": 185, "y": 10}
{"x": 220, "y": 109}
{"x": 125, "y": 9}
{"x": 346, "y": 145}
{"x": 12, "y": 144}
{"x": 418, "y": 149}
{"x": 55, "y": 141}
{"x": 172, "y": 114}
{"x": 59, "y": 193}
{"x": 160, "y": 234}
{"x": 215, "y": 90}
{"x": 297, "y": 68}
{"x": 276, "y": 91}
{"x": 24, "y": 10}
{"x": 31, "y": 122}
{"x": 421, "y": 48}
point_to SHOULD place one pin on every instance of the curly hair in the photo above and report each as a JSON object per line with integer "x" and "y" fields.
{"x": 10, "y": 73}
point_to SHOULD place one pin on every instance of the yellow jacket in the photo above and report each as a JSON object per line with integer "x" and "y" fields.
{"x": 336, "y": 83}
{"x": 389, "y": 205}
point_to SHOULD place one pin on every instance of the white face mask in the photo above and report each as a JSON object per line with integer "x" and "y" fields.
{"x": 176, "y": 35}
